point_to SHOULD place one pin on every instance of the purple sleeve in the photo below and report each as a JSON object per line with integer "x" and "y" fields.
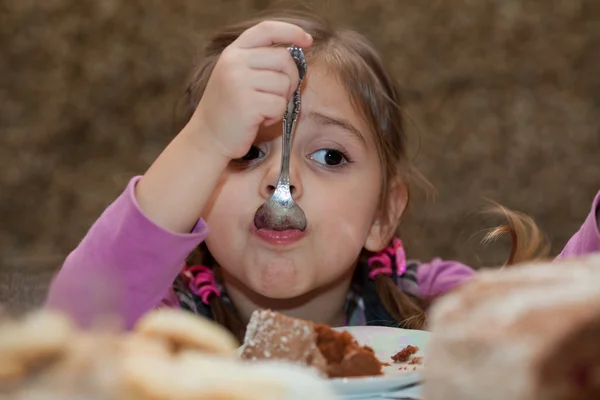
{"x": 439, "y": 276}
{"x": 587, "y": 239}
{"x": 125, "y": 265}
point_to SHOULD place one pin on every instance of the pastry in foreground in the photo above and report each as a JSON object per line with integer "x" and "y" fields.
{"x": 170, "y": 355}
{"x": 274, "y": 336}
{"x": 529, "y": 332}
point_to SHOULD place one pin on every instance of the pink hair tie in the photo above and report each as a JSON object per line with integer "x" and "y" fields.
{"x": 202, "y": 282}
{"x": 384, "y": 267}
{"x": 400, "y": 256}
{"x": 206, "y": 291}
{"x": 383, "y": 258}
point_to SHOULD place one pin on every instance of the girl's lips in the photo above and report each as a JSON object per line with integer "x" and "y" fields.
{"x": 279, "y": 237}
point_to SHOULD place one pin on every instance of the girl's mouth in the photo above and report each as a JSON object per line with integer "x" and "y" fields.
{"x": 279, "y": 237}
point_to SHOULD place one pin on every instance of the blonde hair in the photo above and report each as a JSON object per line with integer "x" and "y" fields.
{"x": 376, "y": 96}
{"x": 529, "y": 243}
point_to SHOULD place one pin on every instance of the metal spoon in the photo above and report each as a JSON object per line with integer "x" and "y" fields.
{"x": 281, "y": 212}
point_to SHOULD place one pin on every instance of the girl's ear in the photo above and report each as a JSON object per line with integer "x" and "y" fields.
{"x": 386, "y": 221}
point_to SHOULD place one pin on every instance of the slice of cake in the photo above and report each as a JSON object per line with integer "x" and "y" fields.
{"x": 271, "y": 335}
{"x": 522, "y": 333}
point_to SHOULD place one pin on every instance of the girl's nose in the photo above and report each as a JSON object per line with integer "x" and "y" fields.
{"x": 271, "y": 190}
{"x": 269, "y": 182}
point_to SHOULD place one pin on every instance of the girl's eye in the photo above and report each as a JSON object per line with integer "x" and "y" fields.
{"x": 253, "y": 154}
{"x": 329, "y": 157}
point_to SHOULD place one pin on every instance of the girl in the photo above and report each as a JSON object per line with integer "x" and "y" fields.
{"x": 349, "y": 173}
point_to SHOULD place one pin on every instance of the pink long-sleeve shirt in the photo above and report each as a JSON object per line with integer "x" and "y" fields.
{"x": 127, "y": 263}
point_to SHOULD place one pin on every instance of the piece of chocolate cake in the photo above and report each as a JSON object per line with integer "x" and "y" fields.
{"x": 271, "y": 335}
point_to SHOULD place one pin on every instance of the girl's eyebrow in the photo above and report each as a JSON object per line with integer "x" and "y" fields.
{"x": 322, "y": 119}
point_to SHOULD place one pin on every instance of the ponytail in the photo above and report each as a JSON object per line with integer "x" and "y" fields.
{"x": 222, "y": 313}
{"x": 383, "y": 268}
{"x": 225, "y": 314}
{"x": 405, "y": 309}
{"x": 529, "y": 243}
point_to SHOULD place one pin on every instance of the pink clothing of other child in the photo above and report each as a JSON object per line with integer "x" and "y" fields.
{"x": 127, "y": 264}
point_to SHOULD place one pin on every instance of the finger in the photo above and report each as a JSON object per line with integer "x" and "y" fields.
{"x": 276, "y": 59}
{"x": 272, "y": 82}
{"x": 272, "y": 106}
{"x": 268, "y": 33}
{"x": 267, "y": 123}
{"x": 270, "y": 130}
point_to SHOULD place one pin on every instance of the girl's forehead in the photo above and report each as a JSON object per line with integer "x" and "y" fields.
{"x": 324, "y": 92}
{"x": 324, "y": 86}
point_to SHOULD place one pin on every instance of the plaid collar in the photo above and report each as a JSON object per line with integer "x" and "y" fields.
{"x": 354, "y": 307}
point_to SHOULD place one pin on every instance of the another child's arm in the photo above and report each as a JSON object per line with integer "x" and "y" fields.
{"x": 587, "y": 239}
{"x": 439, "y": 276}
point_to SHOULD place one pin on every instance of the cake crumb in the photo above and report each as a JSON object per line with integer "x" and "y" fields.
{"x": 404, "y": 354}
{"x": 416, "y": 361}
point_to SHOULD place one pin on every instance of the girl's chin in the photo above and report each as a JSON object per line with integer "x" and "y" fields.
{"x": 278, "y": 282}
{"x": 279, "y": 289}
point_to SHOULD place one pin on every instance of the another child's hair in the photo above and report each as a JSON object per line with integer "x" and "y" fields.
{"x": 373, "y": 93}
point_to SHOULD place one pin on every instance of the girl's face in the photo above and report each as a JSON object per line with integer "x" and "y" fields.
{"x": 336, "y": 175}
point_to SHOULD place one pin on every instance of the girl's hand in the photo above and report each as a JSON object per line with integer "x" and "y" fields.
{"x": 250, "y": 86}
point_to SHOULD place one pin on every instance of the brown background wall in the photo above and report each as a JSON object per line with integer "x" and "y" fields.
{"x": 502, "y": 95}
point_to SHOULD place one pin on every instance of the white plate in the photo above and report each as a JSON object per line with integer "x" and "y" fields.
{"x": 386, "y": 342}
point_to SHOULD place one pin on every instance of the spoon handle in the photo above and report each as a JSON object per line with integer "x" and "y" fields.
{"x": 289, "y": 125}
{"x": 290, "y": 117}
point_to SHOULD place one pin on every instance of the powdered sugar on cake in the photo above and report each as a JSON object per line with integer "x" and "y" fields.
{"x": 274, "y": 336}
{"x": 271, "y": 335}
